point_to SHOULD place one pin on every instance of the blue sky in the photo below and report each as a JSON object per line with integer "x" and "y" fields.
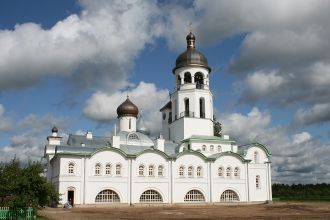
{"x": 71, "y": 63}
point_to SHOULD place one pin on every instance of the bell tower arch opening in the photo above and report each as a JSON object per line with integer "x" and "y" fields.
{"x": 187, "y": 77}
{"x": 199, "y": 80}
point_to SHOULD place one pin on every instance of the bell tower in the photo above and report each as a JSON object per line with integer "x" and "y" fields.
{"x": 190, "y": 110}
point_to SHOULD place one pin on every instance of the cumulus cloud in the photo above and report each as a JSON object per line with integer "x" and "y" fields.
{"x": 296, "y": 158}
{"x": 261, "y": 84}
{"x": 319, "y": 113}
{"x": 96, "y": 48}
{"x": 5, "y": 121}
{"x": 102, "y": 106}
{"x": 245, "y": 127}
{"x": 29, "y": 136}
{"x": 283, "y": 57}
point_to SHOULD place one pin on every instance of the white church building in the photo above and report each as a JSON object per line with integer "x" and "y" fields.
{"x": 185, "y": 164}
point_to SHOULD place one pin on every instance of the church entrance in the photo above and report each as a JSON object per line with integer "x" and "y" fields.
{"x": 71, "y": 197}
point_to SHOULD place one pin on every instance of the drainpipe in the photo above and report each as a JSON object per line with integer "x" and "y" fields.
{"x": 84, "y": 195}
{"x": 130, "y": 182}
{"x": 171, "y": 179}
{"x": 270, "y": 181}
{"x": 210, "y": 181}
{"x": 248, "y": 181}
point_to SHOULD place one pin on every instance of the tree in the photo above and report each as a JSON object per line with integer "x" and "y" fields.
{"x": 216, "y": 127}
{"x": 23, "y": 187}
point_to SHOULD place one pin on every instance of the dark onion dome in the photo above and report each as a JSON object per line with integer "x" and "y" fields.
{"x": 191, "y": 57}
{"x": 127, "y": 108}
{"x": 54, "y": 130}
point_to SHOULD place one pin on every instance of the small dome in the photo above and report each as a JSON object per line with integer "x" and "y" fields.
{"x": 191, "y": 57}
{"x": 54, "y": 130}
{"x": 127, "y": 108}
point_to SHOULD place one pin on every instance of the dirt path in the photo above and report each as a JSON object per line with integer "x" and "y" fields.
{"x": 279, "y": 210}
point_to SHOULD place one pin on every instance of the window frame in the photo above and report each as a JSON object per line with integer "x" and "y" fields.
{"x": 181, "y": 171}
{"x": 258, "y": 182}
{"x": 151, "y": 196}
{"x": 199, "y": 171}
{"x": 221, "y": 171}
{"x": 237, "y": 172}
{"x": 71, "y": 168}
{"x": 228, "y": 171}
{"x": 118, "y": 171}
{"x": 194, "y": 195}
{"x": 190, "y": 171}
{"x": 97, "y": 169}
{"x": 160, "y": 171}
{"x": 151, "y": 171}
{"x": 141, "y": 170}
{"x": 108, "y": 169}
{"x": 107, "y": 196}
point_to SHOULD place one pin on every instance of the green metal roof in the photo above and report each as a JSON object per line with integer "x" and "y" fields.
{"x": 208, "y": 139}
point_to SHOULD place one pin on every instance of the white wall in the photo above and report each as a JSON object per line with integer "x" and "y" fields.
{"x": 182, "y": 185}
{"x": 171, "y": 186}
{"x": 142, "y": 183}
{"x": 220, "y": 184}
{"x": 186, "y": 127}
{"x": 124, "y": 123}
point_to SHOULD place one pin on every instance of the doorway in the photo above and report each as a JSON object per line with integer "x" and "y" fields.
{"x": 71, "y": 197}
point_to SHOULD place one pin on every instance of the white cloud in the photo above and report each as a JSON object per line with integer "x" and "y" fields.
{"x": 296, "y": 158}
{"x": 29, "y": 136}
{"x": 319, "y": 113}
{"x": 246, "y": 128}
{"x": 6, "y": 123}
{"x": 35, "y": 123}
{"x": 262, "y": 84}
{"x": 102, "y": 106}
{"x": 95, "y": 48}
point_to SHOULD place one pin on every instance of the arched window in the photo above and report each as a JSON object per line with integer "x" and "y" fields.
{"x": 203, "y": 148}
{"x": 133, "y": 136}
{"x": 107, "y": 196}
{"x": 71, "y": 168}
{"x": 186, "y": 107}
{"x": 256, "y": 157}
{"x": 151, "y": 170}
{"x": 228, "y": 172}
{"x": 194, "y": 196}
{"x": 108, "y": 169}
{"x": 220, "y": 171}
{"x": 160, "y": 170}
{"x": 97, "y": 169}
{"x": 211, "y": 148}
{"x": 219, "y": 149}
{"x": 199, "y": 171}
{"x": 229, "y": 196}
{"x": 202, "y": 108}
{"x": 181, "y": 171}
{"x": 151, "y": 196}
{"x": 190, "y": 171}
{"x": 199, "y": 80}
{"x": 236, "y": 172}
{"x": 118, "y": 169}
{"x": 141, "y": 170}
{"x": 187, "y": 77}
{"x": 258, "y": 185}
